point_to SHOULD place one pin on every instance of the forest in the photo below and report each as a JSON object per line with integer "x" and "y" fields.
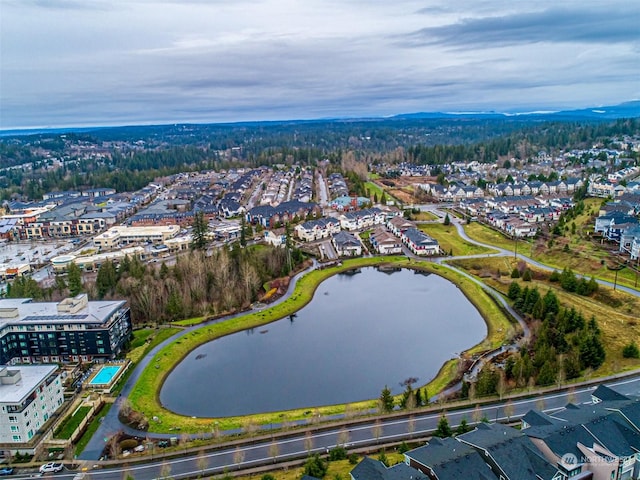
{"x": 197, "y": 285}
{"x": 144, "y": 153}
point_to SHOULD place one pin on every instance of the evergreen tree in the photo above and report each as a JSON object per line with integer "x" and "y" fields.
{"x": 463, "y": 427}
{"x": 24, "y": 287}
{"x": 315, "y": 466}
{"x": 386, "y": 400}
{"x": 106, "y": 279}
{"x": 175, "y": 308}
{"x": 447, "y": 220}
{"x": 199, "y": 231}
{"x": 630, "y": 350}
{"x": 418, "y": 398}
{"x": 164, "y": 270}
{"x": 443, "y": 430}
{"x": 74, "y": 279}
{"x": 514, "y": 291}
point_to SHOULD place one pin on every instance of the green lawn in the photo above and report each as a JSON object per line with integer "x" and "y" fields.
{"x": 449, "y": 240}
{"x": 140, "y": 337}
{"x": 70, "y": 425}
{"x": 154, "y": 338}
{"x": 484, "y": 234}
{"x": 373, "y": 188}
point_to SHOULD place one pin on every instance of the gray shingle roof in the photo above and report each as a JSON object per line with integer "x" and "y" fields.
{"x": 452, "y": 460}
{"x": 370, "y": 469}
{"x": 513, "y": 452}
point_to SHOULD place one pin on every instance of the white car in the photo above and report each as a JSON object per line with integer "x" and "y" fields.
{"x": 51, "y": 467}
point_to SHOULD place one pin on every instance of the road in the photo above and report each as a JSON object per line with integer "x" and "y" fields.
{"x": 266, "y": 450}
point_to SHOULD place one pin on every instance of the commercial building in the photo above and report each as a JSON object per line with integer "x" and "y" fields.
{"x": 68, "y": 331}
{"x": 122, "y": 235}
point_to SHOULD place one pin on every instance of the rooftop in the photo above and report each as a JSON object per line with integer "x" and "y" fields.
{"x": 30, "y": 377}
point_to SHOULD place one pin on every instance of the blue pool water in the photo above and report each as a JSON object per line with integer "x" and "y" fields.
{"x": 105, "y": 375}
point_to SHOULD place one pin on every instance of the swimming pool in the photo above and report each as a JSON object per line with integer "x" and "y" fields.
{"x": 105, "y": 375}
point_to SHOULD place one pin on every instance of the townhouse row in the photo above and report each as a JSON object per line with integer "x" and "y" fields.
{"x": 599, "y": 440}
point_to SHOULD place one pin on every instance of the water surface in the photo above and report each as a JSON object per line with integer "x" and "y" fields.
{"x": 360, "y": 332}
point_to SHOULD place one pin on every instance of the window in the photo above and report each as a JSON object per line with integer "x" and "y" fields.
{"x": 13, "y": 419}
{"x": 15, "y": 428}
{"x": 16, "y": 438}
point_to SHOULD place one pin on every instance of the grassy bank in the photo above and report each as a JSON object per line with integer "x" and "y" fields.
{"x": 144, "y": 397}
{"x": 615, "y": 311}
{"x": 449, "y": 240}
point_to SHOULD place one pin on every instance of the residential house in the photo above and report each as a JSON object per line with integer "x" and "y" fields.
{"x": 270, "y": 217}
{"x": 384, "y": 242}
{"x": 596, "y": 438}
{"x": 420, "y": 243}
{"x": 370, "y": 469}
{"x": 398, "y": 225}
{"x": 275, "y": 239}
{"x": 316, "y": 229}
{"x": 449, "y": 459}
{"x": 360, "y": 219}
{"x": 510, "y": 453}
{"x": 346, "y": 244}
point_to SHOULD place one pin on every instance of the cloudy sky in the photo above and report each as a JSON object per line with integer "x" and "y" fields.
{"x": 114, "y": 62}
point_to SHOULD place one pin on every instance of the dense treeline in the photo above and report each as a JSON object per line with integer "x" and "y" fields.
{"x": 565, "y": 345}
{"x": 229, "y": 279}
{"x": 172, "y": 149}
{"x": 198, "y": 284}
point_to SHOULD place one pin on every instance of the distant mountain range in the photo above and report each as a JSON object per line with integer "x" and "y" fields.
{"x": 624, "y": 110}
{"x": 612, "y": 112}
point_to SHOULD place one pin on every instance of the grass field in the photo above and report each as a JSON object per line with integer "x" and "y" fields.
{"x": 424, "y": 216}
{"x": 484, "y": 234}
{"x": 450, "y": 241}
{"x": 70, "y": 425}
{"x": 615, "y": 311}
{"x": 337, "y": 469}
{"x": 144, "y": 396}
{"x": 146, "y": 339}
{"x": 373, "y": 188}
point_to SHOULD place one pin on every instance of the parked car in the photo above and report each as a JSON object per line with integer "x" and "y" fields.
{"x": 51, "y": 467}
{"x": 6, "y": 471}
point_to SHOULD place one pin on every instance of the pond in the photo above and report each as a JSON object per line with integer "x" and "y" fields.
{"x": 362, "y": 330}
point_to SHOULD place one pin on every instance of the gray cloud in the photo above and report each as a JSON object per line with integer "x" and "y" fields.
{"x": 608, "y": 24}
{"x": 153, "y": 61}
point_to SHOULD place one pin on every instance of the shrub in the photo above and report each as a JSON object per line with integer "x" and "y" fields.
{"x": 337, "y": 453}
{"x": 526, "y": 276}
{"x": 631, "y": 351}
{"x": 515, "y": 273}
{"x": 353, "y": 458}
{"x": 315, "y": 467}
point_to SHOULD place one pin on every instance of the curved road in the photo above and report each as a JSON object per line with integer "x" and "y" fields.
{"x": 111, "y": 424}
